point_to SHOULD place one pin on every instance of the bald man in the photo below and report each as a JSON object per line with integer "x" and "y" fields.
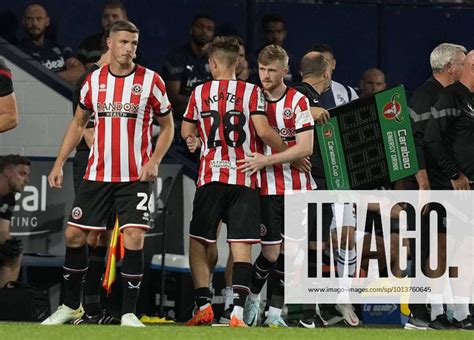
{"x": 448, "y": 139}
{"x": 52, "y": 56}
{"x": 373, "y": 80}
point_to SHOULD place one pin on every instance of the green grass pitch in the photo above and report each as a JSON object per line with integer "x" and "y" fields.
{"x": 12, "y": 331}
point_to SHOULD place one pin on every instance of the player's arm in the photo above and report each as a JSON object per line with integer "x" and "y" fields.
{"x": 267, "y": 134}
{"x": 188, "y": 129}
{"x": 149, "y": 171}
{"x": 89, "y": 136}
{"x": 4, "y": 230}
{"x": 73, "y": 72}
{"x": 302, "y": 148}
{"x": 320, "y": 115}
{"x": 190, "y": 134}
{"x": 71, "y": 139}
{"x": 89, "y": 132}
{"x": 178, "y": 100}
{"x": 8, "y": 112}
{"x": 435, "y": 140}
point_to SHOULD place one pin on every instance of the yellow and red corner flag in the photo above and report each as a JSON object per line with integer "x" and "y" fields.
{"x": 116, "y": 252}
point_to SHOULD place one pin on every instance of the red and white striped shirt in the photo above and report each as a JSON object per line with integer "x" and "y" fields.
{"x": 123, "y": 107}
{"x": 288, "y": 116}
{"x": 222, "y": 110}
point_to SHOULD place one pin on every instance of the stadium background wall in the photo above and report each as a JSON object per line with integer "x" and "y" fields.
{"x": 394, "y": 35}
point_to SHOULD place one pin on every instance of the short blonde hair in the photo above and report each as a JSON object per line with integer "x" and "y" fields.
{"x": 273, "y": 53}
{"x": 225, "y": 48}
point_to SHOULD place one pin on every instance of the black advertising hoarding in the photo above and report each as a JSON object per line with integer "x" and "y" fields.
{"x": 40, "y": 213}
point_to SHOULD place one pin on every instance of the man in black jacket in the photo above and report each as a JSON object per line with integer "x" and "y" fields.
{"x": 448, "y": 139}
{"x": 446, "y": 63}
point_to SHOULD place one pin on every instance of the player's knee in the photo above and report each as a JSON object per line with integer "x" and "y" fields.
{"x": 75, "y": 237}
{"x": 271, "y": 253}
{"x": 93, "y": 238}
{"x": 133, "y": 238}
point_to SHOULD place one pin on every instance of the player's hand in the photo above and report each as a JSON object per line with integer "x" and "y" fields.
{"x": 253, "y": 163}
{"x": 55, "y": 177}
{"x": 193, "y": 143}
{"x": 462, "y": 183}
{"x": 320, "y": 115}
{"x": 149, "y": 172}
{"x": 302, "y": 164}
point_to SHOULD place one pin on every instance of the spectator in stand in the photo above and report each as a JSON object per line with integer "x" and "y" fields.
{"x": 242, "y": 70}
{"x": 337, "y": 94}
{"x": 47, "y": 52}
{"x": 188, "y": 66}
{"x": 14, "y": 174}
{"x": 8, "y": 108}
{"x": 275, "y": 34}
{"x": 373, "y": 80}
{"x": 90, "y": 49}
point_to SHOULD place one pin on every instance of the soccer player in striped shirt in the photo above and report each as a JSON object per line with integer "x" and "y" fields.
{"x": 228, "y": 115}
{"x": 289, "y": 114}
{"x": 124, "y": 98}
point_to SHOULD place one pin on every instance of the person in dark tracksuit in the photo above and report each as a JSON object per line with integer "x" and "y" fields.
{"x": 449, "y": 140}
{"x": 446, "y": 60}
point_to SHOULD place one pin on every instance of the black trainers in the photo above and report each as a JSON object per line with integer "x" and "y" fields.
{"x": 225, "y": 318}
{"x": 105, "y": 318}
{"x": 465, "y": 324}
{"x": 441, "y": 322}
{"x": 416, "y": 323}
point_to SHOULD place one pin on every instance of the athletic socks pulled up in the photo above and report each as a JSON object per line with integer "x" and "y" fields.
{"x": 74, "y": 269}
{"x": 260, "y": 271}
{"x": 93, "y": 278}
{"x": 132, "y": 275}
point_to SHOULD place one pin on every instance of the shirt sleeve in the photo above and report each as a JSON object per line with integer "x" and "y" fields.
{"x": 257, "y": 103}
{"x": 443, "y": 114}
{"x": 160, "y": 102}
{"x": 85, "y": 97}
{"x": 303, "y": 119}
{"x": 6, "y": 211}
{"x": 6, "y": 84}
{"x": 191, "y": 114}
{"x": 354, "y": 95}
{"x": 420, "y": 112}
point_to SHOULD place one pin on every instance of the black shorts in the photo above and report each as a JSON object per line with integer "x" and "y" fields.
{"x": 240, "y": 205}
{"x": 326, "y": 221}
{"x": 79, "y": 165}
{"x": 95, "y": 202}
{"x": 272, "y": 219}
{"x": 272, "y": 224}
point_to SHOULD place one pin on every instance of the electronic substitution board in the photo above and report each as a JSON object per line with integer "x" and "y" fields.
{"x": 368, "y": 142}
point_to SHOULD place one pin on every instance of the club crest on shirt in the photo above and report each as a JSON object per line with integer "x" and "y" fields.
{"x": 287, "y": 113}
{"x": 263, "y": 230}
{"x": 136, "y": 89}
{"x": 470, "y": 110}
{"x": 76, "y": 213}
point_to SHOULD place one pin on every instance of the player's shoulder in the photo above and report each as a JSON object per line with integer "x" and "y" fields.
{"x": 338, "y": 87}
{"x": 8, "y": 199}
{"x": 298, "y": 96}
